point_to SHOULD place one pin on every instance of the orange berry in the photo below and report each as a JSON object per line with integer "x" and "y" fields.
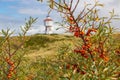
{"x": 82, "y": 51}
{"x": 87, "y": 39}
{"x": 9, "y": 75}
{"x": 7, "y": 60}
{"x": 96, "y": 50}
{"x": 12, "y": 65}
{"x": 84, "y": 47}
{"x": 106, "y": 59}
{"x": 88, "y": 46}
{"x": 76, "y": 29}
{"x": 76, "y": 34}
{"x": 11, "y": 69}
{"x": 102, "y": 55}
{"x": 81, "y": 33}
{"x": 71, "y": 18}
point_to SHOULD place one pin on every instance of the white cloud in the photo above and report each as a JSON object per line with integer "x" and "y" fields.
{"x": 29, "y": 11}
{"x": 56, "y": 28}
{"x": 36, "y": 29}
{"x": 111, "y": 4}
{"x": 33, "y": 31}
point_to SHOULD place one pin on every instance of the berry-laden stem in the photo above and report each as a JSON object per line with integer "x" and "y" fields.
{"x": 11, "y": 67}
{"x": 85, "y": 43}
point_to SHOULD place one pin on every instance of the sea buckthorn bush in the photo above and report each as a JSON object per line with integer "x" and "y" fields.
{"x": 96, "y": 56}
{"x": 12, "y": 53}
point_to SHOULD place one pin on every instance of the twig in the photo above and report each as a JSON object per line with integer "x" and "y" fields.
{"x": 75, "y": 6}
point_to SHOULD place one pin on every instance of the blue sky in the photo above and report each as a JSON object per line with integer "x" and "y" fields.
{"x": 14, "y": 12}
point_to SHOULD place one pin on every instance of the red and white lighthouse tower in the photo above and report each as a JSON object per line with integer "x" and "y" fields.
{"x": 48, "y": 22}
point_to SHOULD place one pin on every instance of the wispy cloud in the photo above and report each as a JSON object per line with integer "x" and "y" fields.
{"x": 29, "y": 11}
{"x": 36, "y": 29}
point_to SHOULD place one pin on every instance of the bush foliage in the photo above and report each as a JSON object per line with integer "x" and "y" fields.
{"x": 94, "y": 56}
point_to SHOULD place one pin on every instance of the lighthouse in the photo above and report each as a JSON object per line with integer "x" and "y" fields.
{"x": 48, "y": 22}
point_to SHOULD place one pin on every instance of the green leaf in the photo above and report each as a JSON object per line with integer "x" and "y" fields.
{"x": 51, "y": 4}
{"x": 102, "y": 5}
{"x": 4, "y": 32}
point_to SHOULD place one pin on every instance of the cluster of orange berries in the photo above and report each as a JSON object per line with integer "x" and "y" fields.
{"x": 11, "y": 69}
{"x": 83, "y": 50}
{"x": 74, "y": 29}
{"x": 78, "y": 33}
{"x": 75, "y": 68}
{"x": 104, "y": 57}
{"x": 90, "y": 30}
{"x": 102, "y": 54}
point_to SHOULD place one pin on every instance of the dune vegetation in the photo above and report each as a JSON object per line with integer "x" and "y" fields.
{"x": 91, "y": 52}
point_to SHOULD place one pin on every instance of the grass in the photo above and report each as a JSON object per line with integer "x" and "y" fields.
{"x": 47, "y": 56}
{"x": 46, "y": 45}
